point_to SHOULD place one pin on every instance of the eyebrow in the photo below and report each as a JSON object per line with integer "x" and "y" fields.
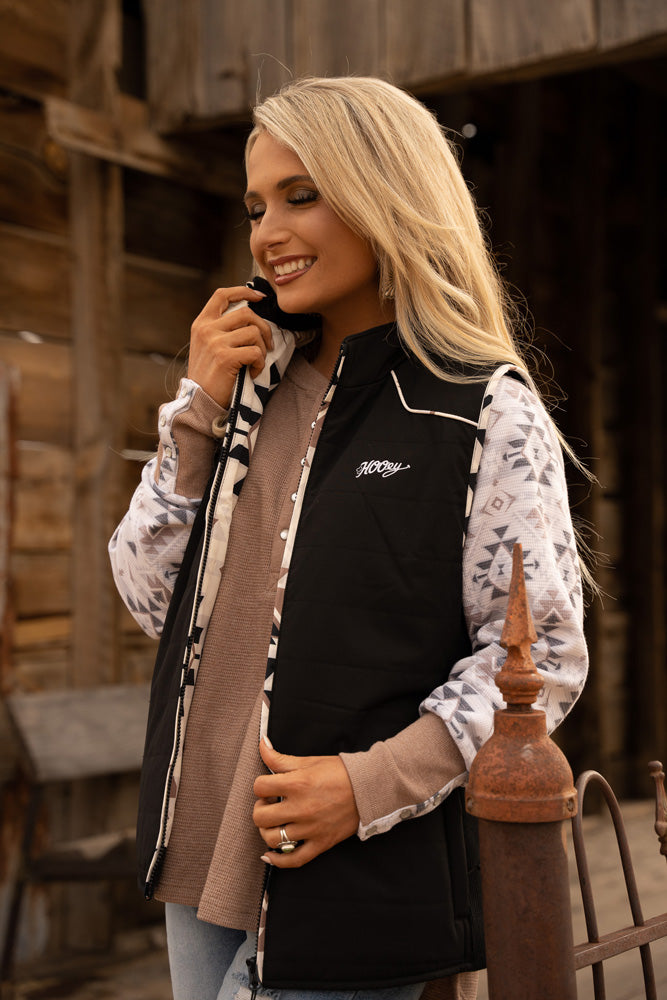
{"x": 281, "y": 185}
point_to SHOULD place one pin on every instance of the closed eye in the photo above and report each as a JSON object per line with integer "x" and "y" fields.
{"x": 303, "y": 197}
{"x": 255, "y": 210}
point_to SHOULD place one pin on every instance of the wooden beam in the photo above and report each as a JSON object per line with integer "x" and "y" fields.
{"x": 247, "y": 53}
{"x": 623, "y": 22}
{"x": 97, "y": 244}
{"x": 337, "y": 37}
{"x": 422, "y": 43}
{"x": 8, "y": 381}
{"x": 174, "y": 60}
{"x": 519, "y": 31}
{"x": 127, "y": 140}
{"x": 95, "y": 50}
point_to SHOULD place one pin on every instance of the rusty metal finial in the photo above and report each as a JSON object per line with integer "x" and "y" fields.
{"x": 658, "y": 775}
{"x": 518, "y": 679}
{"x": 520, "y": 775}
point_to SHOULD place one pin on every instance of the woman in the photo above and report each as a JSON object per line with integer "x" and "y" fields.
{"x": 347, "y": 420}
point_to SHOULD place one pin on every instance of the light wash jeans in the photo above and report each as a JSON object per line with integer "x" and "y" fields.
{"x": 208, "y": 962}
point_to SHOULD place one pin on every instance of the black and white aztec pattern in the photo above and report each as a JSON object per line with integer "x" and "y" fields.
{"x": 517, "y": 492}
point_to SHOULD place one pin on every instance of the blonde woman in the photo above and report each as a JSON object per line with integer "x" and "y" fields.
{"x": 323, "y": 544}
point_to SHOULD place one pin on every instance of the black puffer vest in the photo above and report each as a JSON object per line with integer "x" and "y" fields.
{"x": 371, "y": 623}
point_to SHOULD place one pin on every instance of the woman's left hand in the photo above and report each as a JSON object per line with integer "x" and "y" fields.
{"x": 311, "y": 797}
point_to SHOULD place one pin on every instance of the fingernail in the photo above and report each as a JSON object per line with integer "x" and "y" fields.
{"x": 266, "y": 859}
{"x": 268, "y": 742}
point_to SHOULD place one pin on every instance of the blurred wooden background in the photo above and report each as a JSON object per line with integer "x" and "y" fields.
{"x": 121, "y": 141}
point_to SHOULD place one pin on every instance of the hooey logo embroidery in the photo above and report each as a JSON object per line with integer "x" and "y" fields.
{"x": 382, "y": 467}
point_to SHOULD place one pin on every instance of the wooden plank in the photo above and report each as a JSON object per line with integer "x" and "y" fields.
{"x": 424, "y": 43}
{"x": 7, "y": 477}
{"x": 96, "y": 220}
{"x": 33, "y": 169}
{"x": 41, "y": 668}
{"x": 95, "y": 45}
{"x": 34, "y": 282}
{"x": 78, "y": 734}
{"x": 96, "y": 207}
{"x": 246, "y": 53}
{"x": 33, "y": 44}
{"x": 173, "y": 62}
{"x": 336, "y": 37}
{"x": 44, "y": 399}
{"x": 44, "y": 499}
{"x": 517, "y": 32}
{"x": 623, "y": 22}
{"x": 127, "y": 139}
{"x": 148, "y": 383}
{"x": 52, "y": 629}
{"x": 41, "y": 582}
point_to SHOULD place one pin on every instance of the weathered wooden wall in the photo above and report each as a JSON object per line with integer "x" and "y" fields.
{"x": 112, "y": 236}
{"x": 209, "y": 60}
{"x": 110, "y": 242}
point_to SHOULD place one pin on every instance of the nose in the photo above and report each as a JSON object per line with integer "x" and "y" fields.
{"x": 269, "y": 233}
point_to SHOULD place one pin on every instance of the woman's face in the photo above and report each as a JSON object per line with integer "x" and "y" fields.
{"x": 315, "y": 263}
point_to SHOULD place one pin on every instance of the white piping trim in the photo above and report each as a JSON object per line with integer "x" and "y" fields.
{"x": 431, "y": 413}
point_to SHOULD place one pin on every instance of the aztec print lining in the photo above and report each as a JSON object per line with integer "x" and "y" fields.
{"x": 224, "y": 494}
{"x": 480, "y": 436}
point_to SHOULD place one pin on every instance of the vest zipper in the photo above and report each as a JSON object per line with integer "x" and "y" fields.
{"x": 253, "y": 972}
{"x": 158, "y": 858}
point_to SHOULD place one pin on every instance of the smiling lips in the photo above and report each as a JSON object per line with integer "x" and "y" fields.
{"x": 288, "y": 268}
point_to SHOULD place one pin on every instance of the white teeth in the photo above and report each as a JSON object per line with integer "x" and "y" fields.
{"x": 293, "y": 265}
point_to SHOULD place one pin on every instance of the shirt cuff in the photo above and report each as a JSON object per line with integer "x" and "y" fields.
{"x": 192, "y": 435}
{"x": 404, "y": 776}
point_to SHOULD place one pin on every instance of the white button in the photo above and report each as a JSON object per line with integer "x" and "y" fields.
{"x": 283, "y": 534}
{"x": 313, "y": 425}
{"x": 167, "y": 452}
{"x": 293, "y": 497}
{"x": 163, "y": 421}
{"x": 303, "y": 461}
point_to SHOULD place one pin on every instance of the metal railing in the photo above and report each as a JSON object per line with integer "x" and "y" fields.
{"x": 642, "y": 932}
{"x": 521, "y": 789}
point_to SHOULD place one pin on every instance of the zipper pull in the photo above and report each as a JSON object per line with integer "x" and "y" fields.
{"x": 253, "y": 978}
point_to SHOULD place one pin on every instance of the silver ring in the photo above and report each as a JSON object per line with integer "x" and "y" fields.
{"x": 286, "y": 846}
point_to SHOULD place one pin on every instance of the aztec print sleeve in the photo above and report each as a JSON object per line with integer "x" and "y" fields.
{"x": 147, "y": 548}
{"x": 520, "y": 495}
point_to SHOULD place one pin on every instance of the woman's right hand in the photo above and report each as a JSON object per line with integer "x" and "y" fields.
{"x": 222, "y": 342}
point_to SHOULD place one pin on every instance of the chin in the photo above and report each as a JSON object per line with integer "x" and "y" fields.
{"x": 295, "y": 303}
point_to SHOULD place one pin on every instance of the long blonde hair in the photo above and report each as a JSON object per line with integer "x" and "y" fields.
{"x": 382, "y": 162}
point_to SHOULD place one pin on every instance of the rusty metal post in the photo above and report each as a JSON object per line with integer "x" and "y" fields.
{"x": 522, "y": 791}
